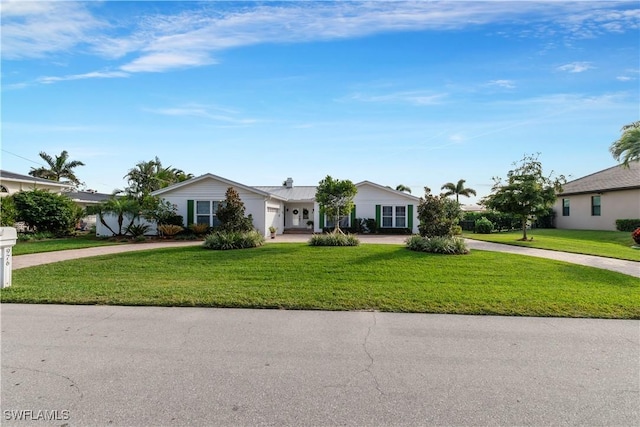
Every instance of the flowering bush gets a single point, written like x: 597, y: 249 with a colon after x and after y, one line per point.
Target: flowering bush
x: 636, y: 236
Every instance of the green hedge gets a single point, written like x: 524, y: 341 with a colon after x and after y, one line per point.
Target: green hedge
x: 627, y: 224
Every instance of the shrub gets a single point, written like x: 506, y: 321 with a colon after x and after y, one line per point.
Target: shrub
x: 225, y: 240
x: 483, y: 226
x: 7, y: 212
x: 231, y: 213
x: 627, y: 224
x: 169, y: 230
x: 41, y: 235
x: 137, y: 230
x: 456, y: 230
x: 46, y: 211
x: 437, y: 215
x: 140, y: 238
x: 334, y: 239
x: 636, y: 236
x: 437, y: 245
x: 199, y: 229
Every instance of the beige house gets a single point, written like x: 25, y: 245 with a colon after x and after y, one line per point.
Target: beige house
x: 596, y: 201
x: 11, y: 183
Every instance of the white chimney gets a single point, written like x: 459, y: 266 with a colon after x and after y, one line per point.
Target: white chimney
x: 289, y: 183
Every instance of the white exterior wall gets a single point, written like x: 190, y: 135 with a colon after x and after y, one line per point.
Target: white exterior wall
x: 624, y: 204
x: 210, y: 189
x: 17, y: 186
x: 274, y: 219
x: 112, y: 221
x: 369, y: 196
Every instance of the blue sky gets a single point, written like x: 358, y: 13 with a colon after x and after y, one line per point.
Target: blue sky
x: 413, y: 93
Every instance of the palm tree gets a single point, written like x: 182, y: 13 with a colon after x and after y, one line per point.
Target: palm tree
x: 121, y: 207
x: 59, y: 168
x: 628, y: 146
x: 457, y: 189
x: 150, y: 176
x: 401, y: 187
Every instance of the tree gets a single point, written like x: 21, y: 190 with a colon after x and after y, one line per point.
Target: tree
x: 437, y: 215
x: 121, y: 207
x: 150, y: 176
x: 7, y: 211
x: 458, y: 189
x: 335, y: 197
x: 527, y: 192
x: 58, y: 169
x: 46, y: 211
x: 401, y: 187
x: 231, y: 213
x: 628, y: 146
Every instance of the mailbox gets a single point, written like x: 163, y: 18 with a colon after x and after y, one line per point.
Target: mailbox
x: 8, y: 237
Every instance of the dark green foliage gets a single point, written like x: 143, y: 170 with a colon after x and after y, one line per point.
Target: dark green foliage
x: 46, y: 211
x: 334, y: 239
x: 627, y: 224
x: 336, y: 198
x: 545, y: 220
x: 7, y: 212
x: 456, y: 230
x: 137, y: 230
x: 231, y: 213
x: 437, y: 215
x: 437, y: 245
x: 226, y: 240
x: 483, y: 226
x: 123, y: 208
x: 526, y: 194
x: 59, y: 168
x: 501, y: 221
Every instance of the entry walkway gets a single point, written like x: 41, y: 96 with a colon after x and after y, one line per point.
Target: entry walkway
x: 631, y: 268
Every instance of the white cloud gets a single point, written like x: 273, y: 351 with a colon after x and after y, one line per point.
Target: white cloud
x: 576, y: 67
x: 420, y: 98
x: 212, y: 113
x: 91, y: 75
x: 507, y: 84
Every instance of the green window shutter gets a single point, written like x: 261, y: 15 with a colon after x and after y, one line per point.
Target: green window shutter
x: 378, y: 216
x: 321, y: 217
x: 410, y: 217
x: 189, y: 212
x: 353, y: 215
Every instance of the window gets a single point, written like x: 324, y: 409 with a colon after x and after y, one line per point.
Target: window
x: 394, y: 216
x: 206, y: 212
x: 565, y: 207
x: 3, y: 189
x: 595, y: 206
x: 344, y: 222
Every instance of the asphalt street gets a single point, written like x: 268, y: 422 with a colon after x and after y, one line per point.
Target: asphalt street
x: 154, y: 366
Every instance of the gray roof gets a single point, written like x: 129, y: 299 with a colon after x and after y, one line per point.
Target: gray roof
x: 614, y: 178
x: 28, y: 178
x: 86, y: 196
x: 302, y: 193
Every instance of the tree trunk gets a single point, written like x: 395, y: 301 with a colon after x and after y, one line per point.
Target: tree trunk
x: 524, y: 229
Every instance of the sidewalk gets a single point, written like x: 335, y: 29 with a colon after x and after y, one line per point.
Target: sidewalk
x: 630, y: 268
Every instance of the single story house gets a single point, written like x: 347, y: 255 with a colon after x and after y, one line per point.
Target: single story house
x: 287, y: 208
x: 11, y: 182
x: 596, y: 201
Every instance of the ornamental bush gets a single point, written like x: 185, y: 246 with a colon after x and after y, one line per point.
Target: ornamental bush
x: 636, y: 236
x: 437, y: 245
x: 483, y: 226
x: 226, y: 240
x: 334, y: 239
x: 627, y: 224
x: 46, y: 212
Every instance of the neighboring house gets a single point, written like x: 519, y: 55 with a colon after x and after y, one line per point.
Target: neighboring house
x: 11, y: 183
x: 286, y: 207
x: 596, y: 201
x: 88, y: 199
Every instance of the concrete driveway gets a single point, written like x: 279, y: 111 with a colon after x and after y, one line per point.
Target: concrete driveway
x: 144, y: 366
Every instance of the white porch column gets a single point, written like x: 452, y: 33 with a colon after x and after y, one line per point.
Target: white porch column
x: 8, y: 237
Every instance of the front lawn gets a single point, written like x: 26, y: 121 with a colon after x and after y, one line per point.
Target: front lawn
x: 368, y: 277
x: 62, y: 244
x: 612, y: 244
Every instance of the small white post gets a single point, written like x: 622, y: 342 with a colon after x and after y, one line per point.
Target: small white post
x: 8, y: 237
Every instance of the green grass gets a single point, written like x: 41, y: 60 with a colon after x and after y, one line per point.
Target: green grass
x: 50, y: 245
x: 368, y: 277
x: 611, y: 244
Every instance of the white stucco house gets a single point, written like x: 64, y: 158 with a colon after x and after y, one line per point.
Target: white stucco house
x: 11, y: 182
x: 288, y: 208
x: 596, y: 201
